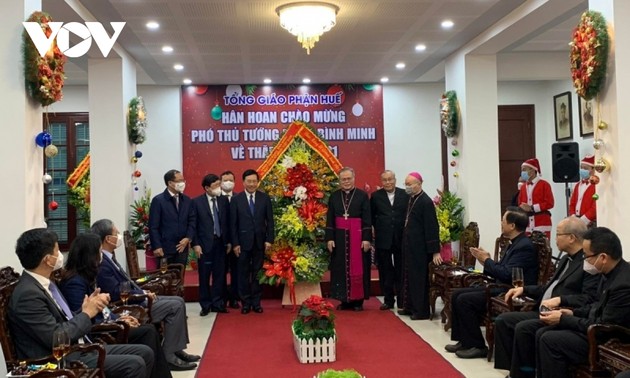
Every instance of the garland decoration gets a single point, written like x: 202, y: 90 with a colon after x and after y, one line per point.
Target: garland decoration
x: 449, y: 114
x: 44, y: 76
x: 137, y: 121
x: 589, y: 54
x: 79, y: 190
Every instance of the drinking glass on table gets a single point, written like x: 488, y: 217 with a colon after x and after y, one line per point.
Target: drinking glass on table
x: 517, y: 279
x: 454, y: 256
x: 61, y: 346
x: 125, y: 288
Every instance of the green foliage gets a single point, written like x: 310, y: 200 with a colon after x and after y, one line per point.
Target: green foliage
x: 347, y: 373
x: 139, y: 221
x: 137, y: 121
x: 450, y: 214
x: 79, y: 197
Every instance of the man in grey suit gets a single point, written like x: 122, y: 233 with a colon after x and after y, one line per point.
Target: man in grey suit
x: 37, y: 309
x: 388, y: 207
x: 251, y: 224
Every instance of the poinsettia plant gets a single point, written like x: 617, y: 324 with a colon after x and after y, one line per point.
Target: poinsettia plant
x: 315, y: 320
x: 139, y: 221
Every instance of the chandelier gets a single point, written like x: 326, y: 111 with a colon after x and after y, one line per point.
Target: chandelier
x: 307, y: 20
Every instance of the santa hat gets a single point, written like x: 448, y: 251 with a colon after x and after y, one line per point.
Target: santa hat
x: 532, y: 163
x: 416, y: 175
x: 589, y: 160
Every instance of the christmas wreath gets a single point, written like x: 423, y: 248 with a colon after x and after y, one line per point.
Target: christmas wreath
x: 449, y: 114
x: 137, y: 121
x: 589, y: 54
x: 44, y: 76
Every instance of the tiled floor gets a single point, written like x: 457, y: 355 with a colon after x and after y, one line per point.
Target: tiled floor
x: 431, y: 331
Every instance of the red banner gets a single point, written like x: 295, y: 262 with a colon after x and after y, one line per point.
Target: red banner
x: 234, y: 127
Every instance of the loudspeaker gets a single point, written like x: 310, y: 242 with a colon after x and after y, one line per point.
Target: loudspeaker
x: 565, y: 161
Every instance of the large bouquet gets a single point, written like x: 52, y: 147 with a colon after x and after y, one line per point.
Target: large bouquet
x: 299, y: 186
x: 139, y: 222
x: 315, y: 319
x: 79, y: 190
x: 450, y: 215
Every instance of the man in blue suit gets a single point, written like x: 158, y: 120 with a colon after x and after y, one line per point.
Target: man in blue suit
x: 252, y: 228
x: 172, y: 220
x: 469, y: 304
x: 211, y: 243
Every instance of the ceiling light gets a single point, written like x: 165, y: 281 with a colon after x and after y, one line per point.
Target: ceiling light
x: 167, y: 49
x: 178, y: 67
x: 152, y: 25
x: 400, y: 65
x: 447, y: 24
x: 187, y: 81
x: 308, y: 20
x: 384, y: 79
x: 267, y: 81
x: 306, y: 80
x: 421, y: 47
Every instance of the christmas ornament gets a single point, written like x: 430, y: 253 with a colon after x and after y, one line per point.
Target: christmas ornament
x: 601, y: 165
x: 369, y: 87
x: 216, y: 113
x: 201, y: 90
x: 137, y: 173
x: 46, y: 179
x: 51, y: 151
x: 357, y: 109
x: 594, y: 180
x: 602, y: 125
x: 53, y: 205
x: 134, y: 160
x: 454, y: 142
x: 455, y: 153
x: 456, y: 174
x: 595, y: 196
x: 43, y: 139
x: 233, y: 90
x: 453, y: 163
x: 598, y: 144
x: 138, y: 154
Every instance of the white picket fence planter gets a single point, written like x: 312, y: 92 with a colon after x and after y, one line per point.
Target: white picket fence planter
x: 310, y: 351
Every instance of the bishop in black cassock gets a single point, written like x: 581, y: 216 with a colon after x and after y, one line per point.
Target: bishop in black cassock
x: 421, y: 245
x: 348, y: 235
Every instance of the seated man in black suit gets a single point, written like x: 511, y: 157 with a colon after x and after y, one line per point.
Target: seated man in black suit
x: 571, y: 286
x: 566, y: 343
x: 37, y: 309
x: 170, y: 309
x: 469, y: 304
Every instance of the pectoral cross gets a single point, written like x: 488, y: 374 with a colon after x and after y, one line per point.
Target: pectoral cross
x: 345, y: 216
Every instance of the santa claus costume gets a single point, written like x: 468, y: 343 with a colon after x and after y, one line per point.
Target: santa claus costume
x: 582, y: 203
x: 538, y: 195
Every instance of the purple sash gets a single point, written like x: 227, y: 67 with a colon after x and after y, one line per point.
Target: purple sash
x: 355, y: 258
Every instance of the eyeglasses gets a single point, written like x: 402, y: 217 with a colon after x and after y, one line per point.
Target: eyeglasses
x: 588, y: 257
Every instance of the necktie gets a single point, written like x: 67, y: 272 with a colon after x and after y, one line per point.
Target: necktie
x: 61, y: 302
x: 176, y: 201
x: 122, y: 271
x: 251, y: 203
x: 215, y: 217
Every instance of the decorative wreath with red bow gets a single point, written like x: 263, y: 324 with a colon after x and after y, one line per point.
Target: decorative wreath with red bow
x: 589, y: 54
x: 449, y: 114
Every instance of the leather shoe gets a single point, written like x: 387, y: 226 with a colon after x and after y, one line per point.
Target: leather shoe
x: 182, y: 355
x: 385, y: 306
x: 418, y: 317
x: 179, y: 365
x: 258, y: 310
x: 234, y: 304
x: 358, y: 308
x: 204, y: 312
x: 245, y: 310
x: 220, y: 309
x: 403, y: 311
x: 452, y: 348
x: 472, y: 353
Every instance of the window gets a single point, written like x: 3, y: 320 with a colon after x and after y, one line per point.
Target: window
x: 71, y: 134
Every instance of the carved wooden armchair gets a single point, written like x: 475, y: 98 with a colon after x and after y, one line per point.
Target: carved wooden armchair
x: 446, y: 277
x: 609, y: 352
x: 8, y: 280
x: 170, y: 282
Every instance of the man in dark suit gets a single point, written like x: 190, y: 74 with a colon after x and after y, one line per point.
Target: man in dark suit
x: 388, y: 207
x: 515, y: 332
x: 470, y: 303
x: 172, y: 220
x: 231, y: 261
x: 566, y: 343
x: 211, y: 243
x: 37, y: 309
x: 169, y: 309
x: 252, y: 228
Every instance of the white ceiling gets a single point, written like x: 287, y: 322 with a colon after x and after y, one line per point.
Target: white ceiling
x: 241, y: 41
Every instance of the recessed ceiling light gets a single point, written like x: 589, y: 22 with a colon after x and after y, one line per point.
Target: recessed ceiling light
x: 400, y: 65
x: 306, y: 80
x: 178, y: 67
x: 384, y: 79
x: 421, y: 47
x: 267, y: 81
x: 152, y: 25
x: 167, y: 49
x: 187, y: 81
x: 447, y: 24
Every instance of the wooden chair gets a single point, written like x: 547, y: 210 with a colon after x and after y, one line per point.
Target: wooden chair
x: 8, y: 280
x: 170, y: 282
x: 609, y: 352
x: 446, y: 277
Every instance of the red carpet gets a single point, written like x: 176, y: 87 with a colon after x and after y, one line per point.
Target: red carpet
x: 373, y: 342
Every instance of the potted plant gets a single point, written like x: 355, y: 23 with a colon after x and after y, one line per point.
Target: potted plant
x: 450, y: 215
x: 314, y: 331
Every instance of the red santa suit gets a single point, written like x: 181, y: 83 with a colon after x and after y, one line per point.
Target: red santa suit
x: 582, y: 203
x: 539, y: 196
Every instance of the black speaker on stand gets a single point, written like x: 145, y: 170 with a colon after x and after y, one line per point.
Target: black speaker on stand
x: 565, y: 163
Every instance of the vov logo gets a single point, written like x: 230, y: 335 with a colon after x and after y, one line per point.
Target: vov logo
x: 87, y: 32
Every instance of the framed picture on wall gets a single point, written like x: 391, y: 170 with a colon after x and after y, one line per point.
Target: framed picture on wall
x: 562, y: 116
x: 585, y: 110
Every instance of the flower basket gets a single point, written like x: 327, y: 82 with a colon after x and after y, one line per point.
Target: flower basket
x: 315, y: 350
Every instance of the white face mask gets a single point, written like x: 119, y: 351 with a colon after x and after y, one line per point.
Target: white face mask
x: 180, y: 186
x: 216, y: 192
x: 227, y: 186
x: 409, y: 189
x: 591, y: 268
x: 59, y: 262
x: 119, y: 240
